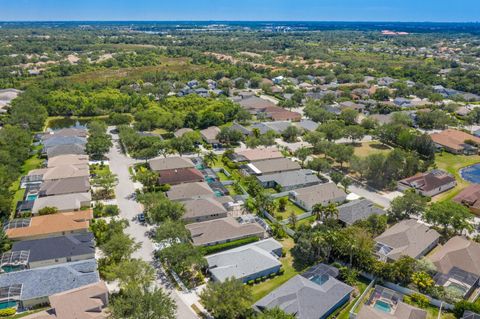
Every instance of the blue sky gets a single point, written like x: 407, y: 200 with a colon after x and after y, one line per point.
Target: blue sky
x: 291, y: 10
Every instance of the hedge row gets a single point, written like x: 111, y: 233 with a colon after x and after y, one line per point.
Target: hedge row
x: 221, y: 247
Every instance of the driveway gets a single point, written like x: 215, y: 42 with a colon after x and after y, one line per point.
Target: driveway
x: 129, y: 208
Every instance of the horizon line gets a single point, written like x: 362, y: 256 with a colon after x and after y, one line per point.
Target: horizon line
x: 260, y: 21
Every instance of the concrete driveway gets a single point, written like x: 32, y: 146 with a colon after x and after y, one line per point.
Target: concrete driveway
x: 129, y: 208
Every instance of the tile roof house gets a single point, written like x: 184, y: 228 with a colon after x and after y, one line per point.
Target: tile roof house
x: 470, y: 197
x: 209, y: 135
x: 36, y: 285
x: 430, y: 183
x: 356, y: 210
x: 280, y: 114
x: 182, y: 131
x: 323, y: 194
x: 64, y: 186
x: 87, y: 302
x: 312, y: 295
x: 180, y: 176
x: 277, y: 165
x: 69, y: 159
x: 218, y: 231
x: 64, y: 140
x: 406, y: 238
x: 62, y: 171
x: 53, y: 250
x: 458, y: 264
x: 168, y: 163
x: 244, y: 263
x: 188, y: 191
x: 257, y: 154
x: 453, y: 141
x: 64, y: 203
x: 66, y: 132
x: 203, y: 209
x: 255, y: 104
x: 68, y: 149
x: 307, y: 125
x: 59, y: 224
x: 290, y: 180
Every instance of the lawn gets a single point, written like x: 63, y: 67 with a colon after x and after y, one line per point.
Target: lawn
x: 289, y: 208
x: 31, y: 163
x: 369, y: 148
x: 98, y: 169
x: 306, y: 221
x: 262, y: 289
x: 452, y: 164
x: 223, y: 177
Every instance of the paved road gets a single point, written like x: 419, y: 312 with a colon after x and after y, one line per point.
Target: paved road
x: 129, y: 208
x: 375, y: 197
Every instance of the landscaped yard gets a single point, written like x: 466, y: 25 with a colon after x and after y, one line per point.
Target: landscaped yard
x: 452, y: 164
x: 360, y: 286
x: 369, y: 148
x: 289, y: 208
x: 262, y: 289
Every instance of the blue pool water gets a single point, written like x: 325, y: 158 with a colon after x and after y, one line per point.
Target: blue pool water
x: 210, y: 179
x: 471, y: 173
x: 383, y: 306
x: 200, y: 167
x: 218, y: 193
x: 319, y: 280
x: 31, y: 197
x: 8, y: 304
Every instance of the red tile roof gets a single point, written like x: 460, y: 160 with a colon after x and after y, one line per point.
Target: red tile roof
x: 179, y: 176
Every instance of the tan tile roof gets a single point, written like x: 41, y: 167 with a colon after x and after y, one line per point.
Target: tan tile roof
x: 222, y: 229
x: 458, y: 252
x: 62, y: 171
x: 87, y: 302
x: 160, y: 164
x: 189, y: 190
x: 469, y: 196
x: 429, y: 180
x: 276, y: 165
x: 70, y: 159
x: 210, y: 133
x: 202, y: 207
x: 181, y: 175
x: 259, y: 154
x: 52, y: 224
x: 453, y: 139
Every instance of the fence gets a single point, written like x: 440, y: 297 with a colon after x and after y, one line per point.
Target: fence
x: 352, y: 314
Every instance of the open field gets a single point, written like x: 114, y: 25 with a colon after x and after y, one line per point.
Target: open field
x: 369, y: 148
x: 175, y: 65
x: 452, y: 164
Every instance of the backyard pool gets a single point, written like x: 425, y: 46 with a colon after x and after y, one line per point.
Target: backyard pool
x: 471, y: 173
x: 383, y: 306
x: 32, y: 197
x: 8, y: 304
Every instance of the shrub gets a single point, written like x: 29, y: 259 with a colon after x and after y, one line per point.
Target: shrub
x: 7, y: 312
x: 258, y: 280
x: 221, y: 247
x: 48, y: 211
x: 264, y: 278
x: 250, y: 282
x: 111, y: 210
x: 281, y: 271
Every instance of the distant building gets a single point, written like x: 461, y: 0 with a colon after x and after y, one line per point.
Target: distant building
x: 454, y: 141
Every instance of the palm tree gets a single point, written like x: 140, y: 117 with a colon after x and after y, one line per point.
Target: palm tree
x: 325, y: 212
x: 256, y: 132
x: 210, y: 158
x: 331, y: 211
x: 319, y: 211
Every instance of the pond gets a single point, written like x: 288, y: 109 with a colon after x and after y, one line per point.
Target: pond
x: 66, y: 122
x: 471, y: 173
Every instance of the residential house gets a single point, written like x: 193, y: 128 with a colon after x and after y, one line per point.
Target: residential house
x: 61, y: 172
x: 182, y: 131
x: 359, y: 209
x: 69, y: 149
x: 182, y: 192
x: 69, y: 159
x: 86, y: 302
x: 209, y: 135
x: 470, y: 315
x: 66, y: 132
x: 49, y: 251
x: 455, y: 142
x: 271, y: 166
x: 247, y: 262
x: 64, y: 203
x: 254, y: 104
x: 257, y: 154
x: 59, y: 224
x: 161, y: 164
x: 470, y: 197
x: 203, y: 209
x: 222, y: 230
x: 323, y: 194
x: 242, y: 129
x: 406, y: 238
x: 458, y: 265
x: 280, y: 114
x: 287, y: 181
x: 32, y: 287
x: 430, y: 183
x: 64, y: 186
x: 180, y: 176
x: 277, y: 126
x: 307, y: 125
x: 315, y: 294
x: 63, y: 140
x: 385, y: 303
x: 402, y: 102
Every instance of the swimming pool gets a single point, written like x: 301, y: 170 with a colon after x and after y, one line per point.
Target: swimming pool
x: 218, y: 193
x: 319, y: 279
x: 383, y: 306
x: 461, y: 290
x: 8, y: 304
x: 32, y: 197
x: 471, y: 173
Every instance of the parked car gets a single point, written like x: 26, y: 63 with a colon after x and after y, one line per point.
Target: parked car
x: 141, y: 218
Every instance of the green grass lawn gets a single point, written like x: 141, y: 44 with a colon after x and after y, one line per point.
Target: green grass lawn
x: 98, y: 169
x: 232, y: 190
x: 262, y: 289
x: 291, y: 207
x: 31, y: 163
x: 452, y: 164
x: 369, y: 148
x: 223, y: 177
x: 306, y: 221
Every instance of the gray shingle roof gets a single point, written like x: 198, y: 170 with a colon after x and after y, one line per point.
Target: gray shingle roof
x: 276, y: 165
x: 64, y: 140
x: 160, y: 164
x: 46, y: 281
x: 65, y: 186
x: 301, y: 177
x: 57, y: 247
x: 306, y: 299
x: 357, y: 210
x: 65, y: 150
